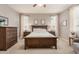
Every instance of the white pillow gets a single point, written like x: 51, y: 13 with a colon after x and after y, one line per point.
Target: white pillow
x: 39, y: 30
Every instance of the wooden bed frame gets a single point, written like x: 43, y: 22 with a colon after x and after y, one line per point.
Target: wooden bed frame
x: 40, y: 42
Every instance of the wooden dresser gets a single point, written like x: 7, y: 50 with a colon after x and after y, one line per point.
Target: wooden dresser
x: 8, y: 37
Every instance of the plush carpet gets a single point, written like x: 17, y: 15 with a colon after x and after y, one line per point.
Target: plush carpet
x: 62, y: 45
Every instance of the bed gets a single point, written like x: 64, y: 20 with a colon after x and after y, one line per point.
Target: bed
x: 40, y: 38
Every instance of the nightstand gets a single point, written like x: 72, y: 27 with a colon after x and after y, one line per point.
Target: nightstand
x: 26, y: 33
x: 52, y: 32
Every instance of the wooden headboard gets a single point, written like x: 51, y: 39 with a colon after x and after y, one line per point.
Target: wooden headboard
x: 39, y: 26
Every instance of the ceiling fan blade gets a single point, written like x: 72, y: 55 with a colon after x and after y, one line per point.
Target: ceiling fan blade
x: 34, y: 5
x: 44, y: 5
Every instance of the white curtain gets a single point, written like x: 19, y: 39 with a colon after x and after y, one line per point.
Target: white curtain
x: 54, y: 23
x: 24, y: 24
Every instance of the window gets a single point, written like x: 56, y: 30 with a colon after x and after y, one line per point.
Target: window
x: 53, y: 22
x: 25, y: 22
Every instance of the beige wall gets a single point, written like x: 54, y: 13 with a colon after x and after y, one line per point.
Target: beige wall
x: 64, y: 29
x: 39, y: 19
x: 74, y: 19
x: 13, y: 17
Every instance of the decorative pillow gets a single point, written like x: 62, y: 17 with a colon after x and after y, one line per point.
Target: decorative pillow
x: 39, y: 30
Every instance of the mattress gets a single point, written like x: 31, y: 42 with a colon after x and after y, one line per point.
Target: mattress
x: 40, y: 34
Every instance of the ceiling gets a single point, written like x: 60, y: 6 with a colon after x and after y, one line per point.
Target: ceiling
x: 28, y: 8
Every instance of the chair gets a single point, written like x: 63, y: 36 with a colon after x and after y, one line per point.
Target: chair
x: 71, y: 38
x: 76, y: 39
x: 76, y: 47
x: 76, y: 43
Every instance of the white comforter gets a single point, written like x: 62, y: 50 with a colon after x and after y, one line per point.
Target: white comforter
x: 40, y: 34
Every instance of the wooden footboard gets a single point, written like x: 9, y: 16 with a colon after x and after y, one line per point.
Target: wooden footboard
x: 43, y: 42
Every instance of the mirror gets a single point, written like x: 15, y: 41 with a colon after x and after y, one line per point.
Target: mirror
x: 3, y: 21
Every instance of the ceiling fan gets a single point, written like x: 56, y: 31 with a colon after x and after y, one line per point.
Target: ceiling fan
x: 40, y: 5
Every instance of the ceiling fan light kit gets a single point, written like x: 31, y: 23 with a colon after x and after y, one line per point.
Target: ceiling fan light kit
x: 39, y: 5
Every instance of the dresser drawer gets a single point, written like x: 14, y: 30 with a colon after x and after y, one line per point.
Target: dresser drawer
x: 11, y: 33
x: 8, y: 37
x: 11, y: 29
x: 8, y: 45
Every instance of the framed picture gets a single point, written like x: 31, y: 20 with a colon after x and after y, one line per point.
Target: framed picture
x: 3, y: 21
